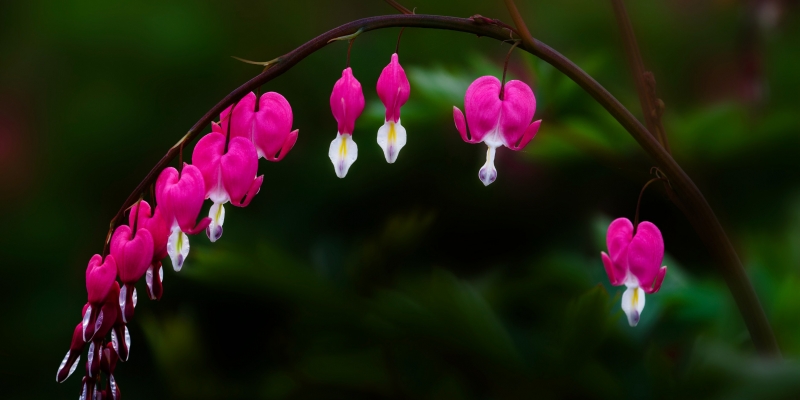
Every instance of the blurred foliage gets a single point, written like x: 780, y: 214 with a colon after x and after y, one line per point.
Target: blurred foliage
x: 409, y: 280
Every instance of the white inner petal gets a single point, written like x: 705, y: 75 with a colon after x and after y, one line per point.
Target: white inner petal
x: 633, y: 304
x: 177, y: 248
x: 391, y: 138
x: 217, y: 215
x: 85, y: 322
x: 123, y: 298
x: 488, y: 173
x: 343, y: 153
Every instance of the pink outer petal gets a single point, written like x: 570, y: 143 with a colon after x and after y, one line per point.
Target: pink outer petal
x: 154, y: 223
x: 255, y: 187
x: 483, y: 106
x: 393, y: 88
x: 461, y: 125
x: 518, y: 107
x: 529, y: 134
x: 181, y: 196
x: 100, y: 277
x: 645, y: 253
x: 206, y: 157
x: 239, y: 167
x: 273, y: 125
x: 287, y: 145
x: 243, y: 117
x: 347, y: 101
x: 618, y: 238
x: 110, y: 310
x: 657, y: 282
x: 200, y: 227
x: 132, y: 256
x: 611, y: 270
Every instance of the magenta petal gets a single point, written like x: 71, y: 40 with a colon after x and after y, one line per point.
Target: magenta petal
x: 393, y: 88
x: 68, y: 365
x: 518, y: 107
x: 483, y: 106
x: 133, y: 256
x: 206, y: 157
x: 662, y: 272
x: 273, y: 125
x: 619, y: 236
x: 154, y: 223
x: 611, y: 270
x: 645, y: 253
x: 200, y: 227
x: 461, y: 124
x: 109, y: 312
x: 239, y: 167
x: 100, y: 277
x: 287, y: 145
x: 347, y: 101
x: 255, y: 187
x: 529, y: 134
x: 243, y: 118
x: 181, y: 195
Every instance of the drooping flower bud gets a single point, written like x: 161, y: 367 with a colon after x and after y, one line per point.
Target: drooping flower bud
x: 229, y: 175
x: 634, y: 260
x: 100, y: 275
x: 497, y: 121
x: 269, y: 127
x: 347, y: 103
x: 154, y: 277
x: 180, y: 196
x: 393, y: 90
x: 70, y: 362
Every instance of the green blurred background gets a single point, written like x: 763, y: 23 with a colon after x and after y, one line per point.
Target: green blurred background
x: 409, y: 280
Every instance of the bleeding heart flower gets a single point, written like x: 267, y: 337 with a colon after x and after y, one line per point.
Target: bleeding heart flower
x: 180, y: 196
x: 70, y: 362
x: 495, y: 120
x: 269, y: 127
x: 229, y: 174
x: 393, y: 90
x: 634, y: 261
x: 100, y: 275
x: 155, y: 223
x: 347, y: 103
x: 133, y: 254
x: 159, y: 229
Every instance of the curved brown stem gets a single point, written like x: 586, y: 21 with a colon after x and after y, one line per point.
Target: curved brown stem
x: 692, y: 203
x: 697, y: 209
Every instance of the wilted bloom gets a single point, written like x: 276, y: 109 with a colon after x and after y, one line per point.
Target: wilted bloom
x: 229, y: 172
x: 269, y: 127
x: 180, y: 196
x: 393, y: 90
x: 134, y: 254
x: 100, y: 275
x: 347, y: 103
x: 495, y: 120
x: 634, y: 261
x: 155, y: 223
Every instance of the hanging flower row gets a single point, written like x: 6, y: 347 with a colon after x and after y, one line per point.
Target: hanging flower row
x: 224, y: 169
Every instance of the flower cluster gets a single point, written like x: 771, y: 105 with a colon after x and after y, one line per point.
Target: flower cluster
x: 347, y: 103
x: 224, y: 169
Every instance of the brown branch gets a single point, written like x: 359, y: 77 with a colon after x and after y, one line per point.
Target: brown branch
x: 697, y: 209
x: 652, y: 106
x: 399, y: 7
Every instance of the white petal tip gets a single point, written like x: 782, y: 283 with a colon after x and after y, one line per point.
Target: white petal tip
x: 633, y: 304
x: 487, y: 175
x: 343, y: 152
x: 391, y: 138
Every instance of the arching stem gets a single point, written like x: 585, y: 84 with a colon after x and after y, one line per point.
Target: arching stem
x: 695, y: 206
x: 639, y: 202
